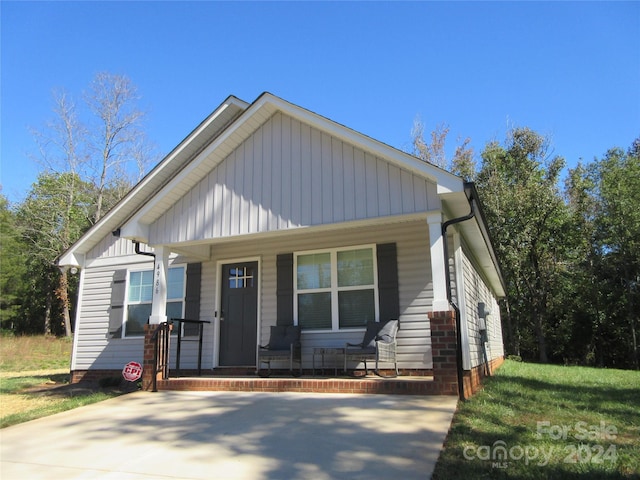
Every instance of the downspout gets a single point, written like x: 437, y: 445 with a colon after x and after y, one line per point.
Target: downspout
x: 468, y: 187
x: 136, y: 245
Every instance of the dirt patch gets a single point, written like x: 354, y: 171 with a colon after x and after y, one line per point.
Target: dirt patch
x: 61, y: 389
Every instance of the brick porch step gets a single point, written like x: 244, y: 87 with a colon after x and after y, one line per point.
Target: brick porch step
x: 370, y: 384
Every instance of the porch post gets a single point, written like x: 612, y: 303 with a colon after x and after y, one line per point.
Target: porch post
x: 438, y: 263
x: 159, y: 302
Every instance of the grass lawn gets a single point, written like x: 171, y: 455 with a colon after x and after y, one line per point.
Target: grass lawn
x: 34, y: 380
x: 543, y: 421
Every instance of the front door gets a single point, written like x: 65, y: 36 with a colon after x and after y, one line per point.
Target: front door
x: 239, y: 314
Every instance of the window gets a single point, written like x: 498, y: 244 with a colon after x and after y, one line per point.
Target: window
x: 241, y: 277
x: 140, y: 295
x: 336, y: 288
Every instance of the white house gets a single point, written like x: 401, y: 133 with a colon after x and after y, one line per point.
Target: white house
x: 252, y: 219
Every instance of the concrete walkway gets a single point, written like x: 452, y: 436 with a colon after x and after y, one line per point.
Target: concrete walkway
x: 233, y: 435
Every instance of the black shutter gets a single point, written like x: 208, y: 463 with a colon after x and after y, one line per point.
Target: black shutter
x: 116, y: 312
x: 388, y: 281
x: 284, y: 289
x: 192, y: 300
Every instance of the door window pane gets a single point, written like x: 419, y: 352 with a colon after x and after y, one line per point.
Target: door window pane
x: 241, y: 277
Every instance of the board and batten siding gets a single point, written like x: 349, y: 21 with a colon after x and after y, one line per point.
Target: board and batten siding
x: 414, y: 279
x: 476, y: 291
x: 112, y: 246
x: 288, y: 174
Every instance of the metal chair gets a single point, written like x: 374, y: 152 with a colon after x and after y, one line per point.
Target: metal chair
x: 284, y: 345
x: 379, y: 343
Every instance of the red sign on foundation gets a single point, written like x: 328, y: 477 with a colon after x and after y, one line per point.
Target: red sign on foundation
x: 132, y: 371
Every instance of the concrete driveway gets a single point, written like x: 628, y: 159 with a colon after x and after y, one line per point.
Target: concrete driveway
x: 233, y: 435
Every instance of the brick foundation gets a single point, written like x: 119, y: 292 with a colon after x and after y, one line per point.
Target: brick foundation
x: 473, y: 378
x: 443, y: 351
x: 78, y: 376
x: 443, y: 347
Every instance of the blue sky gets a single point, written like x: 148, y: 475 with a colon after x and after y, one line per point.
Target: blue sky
x: 568, y: 70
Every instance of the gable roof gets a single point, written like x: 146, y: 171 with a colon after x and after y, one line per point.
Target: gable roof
x: 221, y: 133
x: 247, y: 123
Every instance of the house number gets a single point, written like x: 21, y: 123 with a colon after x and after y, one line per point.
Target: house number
x: 158, y: 279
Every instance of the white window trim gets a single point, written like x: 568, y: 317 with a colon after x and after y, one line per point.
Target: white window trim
x: 126, y: 295
x: 334, y: 289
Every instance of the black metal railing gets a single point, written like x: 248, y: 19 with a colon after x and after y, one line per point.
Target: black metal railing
x: 197, y: 325
x: 161, y: 338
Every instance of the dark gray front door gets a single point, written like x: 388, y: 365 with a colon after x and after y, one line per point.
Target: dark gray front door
x: 239, y: 314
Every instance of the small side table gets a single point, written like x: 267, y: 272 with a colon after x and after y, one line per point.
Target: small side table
x: 332, y: 354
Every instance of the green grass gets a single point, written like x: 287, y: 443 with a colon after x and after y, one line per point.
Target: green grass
x: 34, y: 352
x: 34, y: 380
x: 552, y: 422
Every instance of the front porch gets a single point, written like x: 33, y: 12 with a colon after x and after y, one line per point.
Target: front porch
x: 441, y: 380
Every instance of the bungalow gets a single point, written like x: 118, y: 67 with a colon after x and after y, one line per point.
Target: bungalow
x: 269, y: 214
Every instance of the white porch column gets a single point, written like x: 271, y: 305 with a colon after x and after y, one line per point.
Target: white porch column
x: 159, y: 303
x: 438, y: 264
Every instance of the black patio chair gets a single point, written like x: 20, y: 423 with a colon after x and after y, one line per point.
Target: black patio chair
x: 284, y: 345
x: 379, y: 343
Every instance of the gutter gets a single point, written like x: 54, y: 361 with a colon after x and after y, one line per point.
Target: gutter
x: 469, y: 189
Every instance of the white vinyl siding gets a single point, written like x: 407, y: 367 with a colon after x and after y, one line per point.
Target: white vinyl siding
x: 96, y: 351
x: 414, y: 280
x: 475, y: 292
x: 287, y: 175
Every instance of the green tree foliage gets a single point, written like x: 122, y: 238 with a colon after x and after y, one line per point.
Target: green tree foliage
x: 611, y: 188
x: 527, y: 219
x: 53, y: 216
x: 12, y: 266
x: 90, y: 162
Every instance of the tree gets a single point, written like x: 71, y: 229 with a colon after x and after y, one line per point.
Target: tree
x: 462, y: 162
x: 89, y: 166
x: 527, y: 219
x: 119, y: 152
x: 52, y: 217
x: 12, y: 265
x: 616, y: 180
